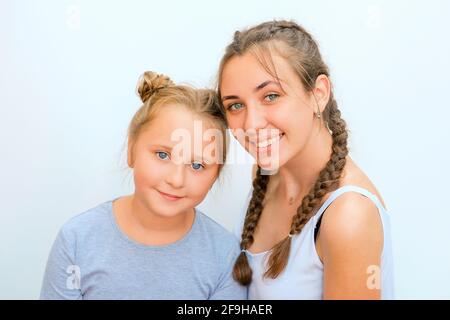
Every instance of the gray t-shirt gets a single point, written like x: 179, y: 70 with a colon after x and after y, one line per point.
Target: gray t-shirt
x: 92, y: 258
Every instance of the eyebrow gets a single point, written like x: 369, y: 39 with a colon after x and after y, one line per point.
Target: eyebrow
x: 168, y: 148
x: 162, y: 146
x: 264, y: 84
x: 258, y: 87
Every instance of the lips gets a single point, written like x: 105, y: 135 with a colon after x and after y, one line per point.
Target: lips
x: 263, y: 144
x: 169, y: 196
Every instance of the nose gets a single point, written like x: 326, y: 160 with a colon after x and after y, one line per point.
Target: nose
x: 175, y: 176
x: 255, y: 118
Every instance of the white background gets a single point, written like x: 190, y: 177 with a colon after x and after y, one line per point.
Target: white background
x: 68, y: 71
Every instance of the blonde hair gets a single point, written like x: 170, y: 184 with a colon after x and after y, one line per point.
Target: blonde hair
x: 157, y: 91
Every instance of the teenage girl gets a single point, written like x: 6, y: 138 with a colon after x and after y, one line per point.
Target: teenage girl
x: 314, y: 226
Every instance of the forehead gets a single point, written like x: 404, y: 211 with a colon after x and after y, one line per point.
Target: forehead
x: 172, y: 117
x: 245, y: 72
x: 173, y: 121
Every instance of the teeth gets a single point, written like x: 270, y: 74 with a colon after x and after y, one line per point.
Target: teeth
x: 266, y: 143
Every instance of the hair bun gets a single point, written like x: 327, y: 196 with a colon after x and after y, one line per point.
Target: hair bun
x: 150, y: 82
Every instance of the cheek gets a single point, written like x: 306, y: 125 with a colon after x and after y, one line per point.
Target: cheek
x: 147, y: 172
x: 200, y: 184
x: 299, y: 126
x: 236, y: 121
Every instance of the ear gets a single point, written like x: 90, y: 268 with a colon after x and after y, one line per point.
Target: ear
x: 322, y: 91
x: 130, y: 153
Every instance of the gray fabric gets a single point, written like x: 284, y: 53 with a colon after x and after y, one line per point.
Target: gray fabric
x: 92, y: 258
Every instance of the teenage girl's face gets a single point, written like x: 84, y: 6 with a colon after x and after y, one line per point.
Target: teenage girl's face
x: 168, y: 179
x: 278, y: 120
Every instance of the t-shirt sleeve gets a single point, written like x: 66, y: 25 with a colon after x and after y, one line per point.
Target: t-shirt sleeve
x: 228, y: 288
x: 62, y: 278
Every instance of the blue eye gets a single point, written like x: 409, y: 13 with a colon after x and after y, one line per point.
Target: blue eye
x: 197, y: 166
x: 235, y: 106
x: 271, y: 97
x: 162, y: 155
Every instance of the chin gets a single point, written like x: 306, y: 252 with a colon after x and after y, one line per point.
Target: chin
x: 269, y: 168
x: 274, y: 164
x: 160, y: 208
x: 167, y: 212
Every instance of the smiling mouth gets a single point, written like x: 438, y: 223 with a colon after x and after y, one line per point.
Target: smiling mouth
x: 169, y: 196
x: 262, y: 145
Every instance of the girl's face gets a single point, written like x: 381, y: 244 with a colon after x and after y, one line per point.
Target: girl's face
x: 277, y: 121
x: 172, y: 173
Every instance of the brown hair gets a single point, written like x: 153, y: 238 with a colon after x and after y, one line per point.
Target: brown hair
x: 296, y: 45
x: 157, y: 90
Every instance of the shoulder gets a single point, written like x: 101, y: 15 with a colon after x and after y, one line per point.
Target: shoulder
x: 222, y: 240
x: 352, y: 223
x: 350, y: 244
x: 215, y: 230
x: 353, y: 210
x: 87, y: 222
x: 79, y: 231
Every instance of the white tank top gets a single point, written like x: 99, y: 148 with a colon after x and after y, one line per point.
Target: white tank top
x: 303, y: 276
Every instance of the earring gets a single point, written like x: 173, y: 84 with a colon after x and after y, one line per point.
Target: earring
x: 328, y: 127
x: 318, y: 114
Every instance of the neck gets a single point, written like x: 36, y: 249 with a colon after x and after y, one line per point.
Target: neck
x: 149, y: 221
x: 298, y: 175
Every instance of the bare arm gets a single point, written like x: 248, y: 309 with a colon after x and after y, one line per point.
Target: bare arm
x: 350, y: 243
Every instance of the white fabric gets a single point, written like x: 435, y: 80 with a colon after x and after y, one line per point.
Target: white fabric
x: 303, y: 276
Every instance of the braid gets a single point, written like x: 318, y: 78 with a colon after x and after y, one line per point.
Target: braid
x: 297, y: 46
x: 242, y: 271
x: 328, y: 181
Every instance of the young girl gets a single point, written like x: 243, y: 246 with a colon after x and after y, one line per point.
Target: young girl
x: 154, y: 243
x: 315, y: 227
